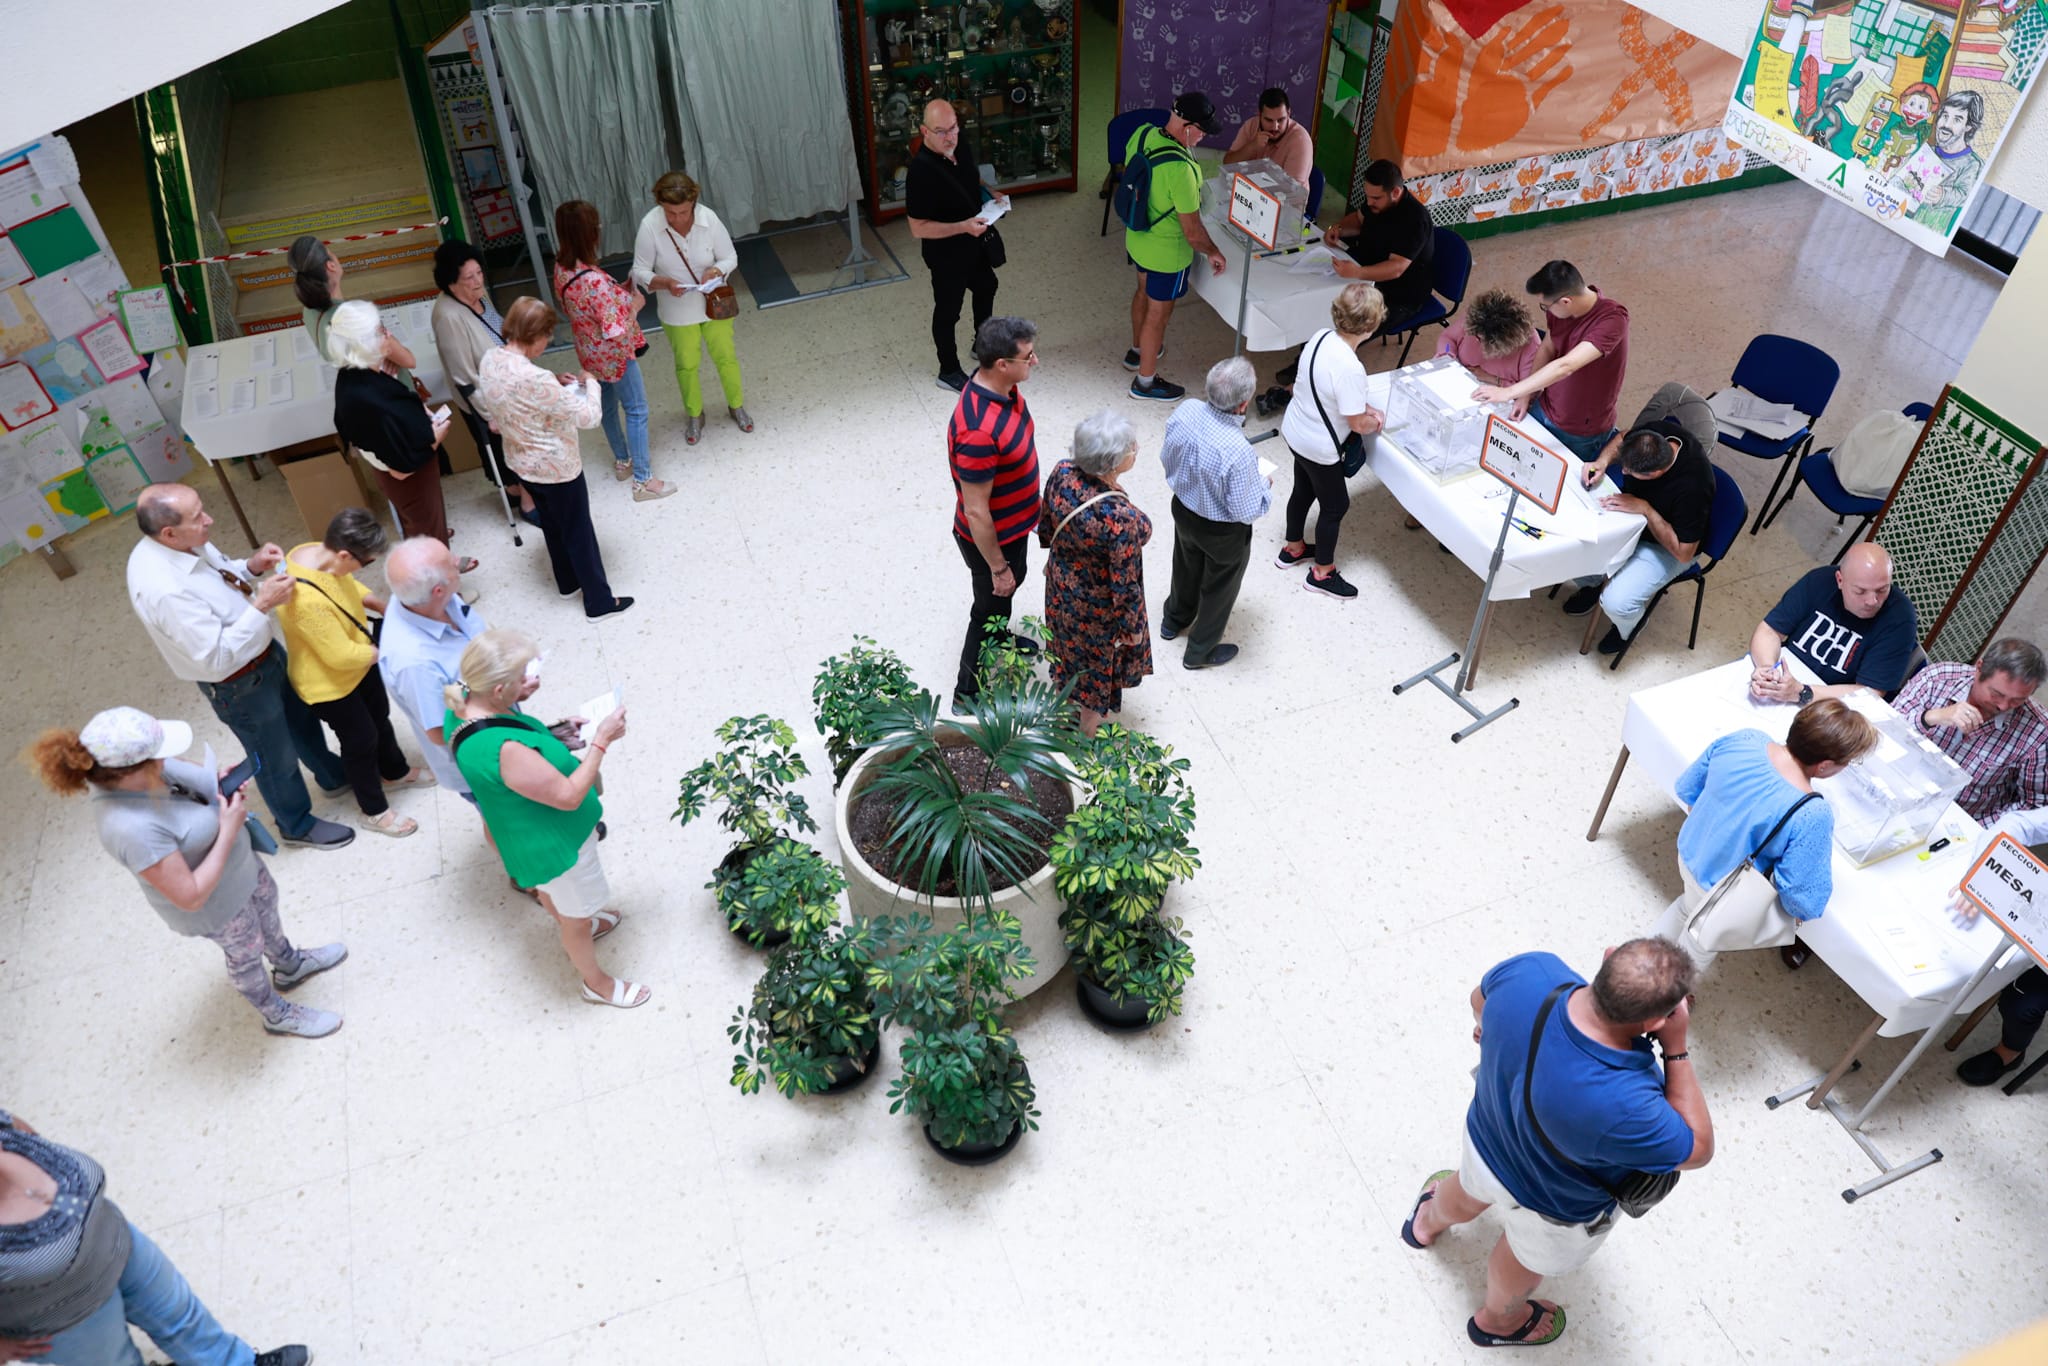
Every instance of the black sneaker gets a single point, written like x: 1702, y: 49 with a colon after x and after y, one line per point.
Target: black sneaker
x: 962, y: 705
x: 1333, y: 584
x: 293, y: 1355
x: 1287, y: 559
x: 1611, y: 643
x: 1582, y: 602
x: 1985, y: 1068
x: 1222, y: 654
x: 1024, y: 645
x: 1273, y: 400
x: 618, y: 605
x: 320, y: 835
x: 1131, y: 357
x: 1161, y: 388
x: 1168, y: 631
x: 956, y: 380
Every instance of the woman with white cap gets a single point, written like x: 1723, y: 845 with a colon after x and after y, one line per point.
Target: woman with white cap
x: 190, y: 847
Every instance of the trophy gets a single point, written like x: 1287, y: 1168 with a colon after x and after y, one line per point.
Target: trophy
x: 1048, y: 134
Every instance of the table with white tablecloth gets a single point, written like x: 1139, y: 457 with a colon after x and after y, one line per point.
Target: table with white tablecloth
x: 1283, y: 308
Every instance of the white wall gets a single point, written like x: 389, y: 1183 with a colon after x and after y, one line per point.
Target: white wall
x: 67, y: 59
x: 2021, y: 167
x: 2003, y: 368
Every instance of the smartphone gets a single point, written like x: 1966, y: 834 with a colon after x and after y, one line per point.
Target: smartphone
x: 241, y: 773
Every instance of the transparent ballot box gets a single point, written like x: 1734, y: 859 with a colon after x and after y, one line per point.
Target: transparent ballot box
x: 1893, y: 797
x: 1432, y: 414
x: 1267, y: 175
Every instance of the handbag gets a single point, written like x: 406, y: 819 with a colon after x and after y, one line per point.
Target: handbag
x: 991, y: 242
x: 1742, y: 910
x: 720, y: 302
x: 1638, y: 1192
x: 1047, y: 542
x: 1351, y: 450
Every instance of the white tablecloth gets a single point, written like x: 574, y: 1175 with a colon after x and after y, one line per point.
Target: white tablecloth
x: 1667, y: 727
x: 1283, y: 310
x: 309, y: 412
x: 1465, y: 516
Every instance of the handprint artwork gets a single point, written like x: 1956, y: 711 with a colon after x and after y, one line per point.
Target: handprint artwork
x: 1228, y: 49
x: 1468, y: 95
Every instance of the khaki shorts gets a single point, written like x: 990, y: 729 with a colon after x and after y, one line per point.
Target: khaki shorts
x: 582, y: 891
x: 1547, y: 1248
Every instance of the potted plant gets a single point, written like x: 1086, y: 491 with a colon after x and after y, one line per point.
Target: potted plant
x: 750, y: 778
x: 810, y: 1025
x: 963, y: 1078
x: 957, y: 815
x: 776, y: 889
x: 847, y: 690
x: 1112, y: 863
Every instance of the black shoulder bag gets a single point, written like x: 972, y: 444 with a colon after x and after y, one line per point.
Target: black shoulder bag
x: 1638, y: 1192
x: 990, y: 241
x: 1350, y: 450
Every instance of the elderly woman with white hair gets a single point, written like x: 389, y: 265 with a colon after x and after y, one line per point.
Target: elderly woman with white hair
x: 1095, y: 573
x: 381, y: 416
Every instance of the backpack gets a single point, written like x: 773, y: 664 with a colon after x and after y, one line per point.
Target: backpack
x: 1133, y: 199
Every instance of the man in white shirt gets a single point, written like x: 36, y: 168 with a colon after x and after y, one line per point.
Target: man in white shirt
x: 209, y: 618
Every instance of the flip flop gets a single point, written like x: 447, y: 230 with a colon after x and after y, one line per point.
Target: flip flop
x: 1520, y: 1337
x: 1428, y: 1194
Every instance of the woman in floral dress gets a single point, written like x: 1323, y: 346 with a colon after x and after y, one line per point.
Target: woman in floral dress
x: 1095, y: 574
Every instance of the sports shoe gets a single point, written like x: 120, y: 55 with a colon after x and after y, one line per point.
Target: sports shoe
x: 651, y: 490
x: 618, y: 605
x: 312, y: 962
x: 1611, y: 643
x: 956, y: 380
x: 293, y: 1355
x: 1131, y: 357
x: 1168, y: 631
x: 1984, y: 1068
x: 1161, y: 388
x: 1332, y: 584
x: 304, y: 1022
x: 1583, y: 601
x: 1273, y: 400
x: 1222, y: 654
x: 1287, y: 559
x: 320, y: 835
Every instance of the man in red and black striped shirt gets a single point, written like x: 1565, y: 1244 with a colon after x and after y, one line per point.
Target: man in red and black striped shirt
x: 994, y: 458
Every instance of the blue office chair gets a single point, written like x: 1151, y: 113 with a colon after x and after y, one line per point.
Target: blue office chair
x: 1120, y: 130
x: 1724, y: 524
x: 1817, y: 472
x: 1451, y: 271
x: 1783, y: 370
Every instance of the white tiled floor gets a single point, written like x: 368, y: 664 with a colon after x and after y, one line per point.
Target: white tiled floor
x: 480, y: 1168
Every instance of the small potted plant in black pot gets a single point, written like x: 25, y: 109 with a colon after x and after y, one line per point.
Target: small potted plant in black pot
x: 847, y: 690
x: 810, y: 1026
x: 1112, y: 862
x: 750, y: 778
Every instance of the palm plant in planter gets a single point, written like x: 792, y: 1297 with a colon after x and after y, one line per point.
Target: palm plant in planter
x: 750, y: 778
x: 847, y: 690
x: 1112, y: 862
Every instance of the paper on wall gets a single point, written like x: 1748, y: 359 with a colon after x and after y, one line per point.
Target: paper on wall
x: 53, y: 161
x: 26, y: 518
x: 162, y: 455
x: 13, y: 270
x: 64, y: 311
x: 15, y: 475
x: 108, y: 346
x: 51, y: 452
x: 166, y: 383
x: 98, y: 277
x: 118, y: 478
x: 24, y: 196
x: 22, y: 397
x: 129, y: 404
x: 147, y: 316
x: 21, y: 330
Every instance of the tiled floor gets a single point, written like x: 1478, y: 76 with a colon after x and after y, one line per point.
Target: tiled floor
x: 480, y: 1168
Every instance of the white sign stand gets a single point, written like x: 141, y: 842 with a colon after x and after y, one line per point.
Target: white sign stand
x: 1531, y: 470
x: 2003, y: 884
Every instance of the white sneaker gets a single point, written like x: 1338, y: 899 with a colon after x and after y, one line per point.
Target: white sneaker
x: 312, y: 962
x: 305, y: 1022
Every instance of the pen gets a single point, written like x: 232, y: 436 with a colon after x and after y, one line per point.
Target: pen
x: 1527, y: 530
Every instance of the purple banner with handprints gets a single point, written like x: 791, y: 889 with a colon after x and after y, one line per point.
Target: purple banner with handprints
x: 1230, y: 50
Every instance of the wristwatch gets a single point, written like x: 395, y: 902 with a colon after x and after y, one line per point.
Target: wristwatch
x: 1805, y: 693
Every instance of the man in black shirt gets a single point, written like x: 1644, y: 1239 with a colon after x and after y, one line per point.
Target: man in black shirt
x: 942, y: 198
x: 1392, y: 242
x: 1668, y: 482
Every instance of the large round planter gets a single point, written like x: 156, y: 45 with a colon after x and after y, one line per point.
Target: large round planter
x: 1125, y: 1015
x: 976, y: 1154
x: 868, y: 894
x: 845, y: 1076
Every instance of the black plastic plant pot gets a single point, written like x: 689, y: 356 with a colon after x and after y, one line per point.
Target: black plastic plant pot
x: 735, y: 859
x: 845, y: 1076
x: 1120, y: 1014
x: 975, y: 1154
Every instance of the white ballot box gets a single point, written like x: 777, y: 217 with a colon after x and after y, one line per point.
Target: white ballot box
x: 1893, y: 797
x: 1440, y: 425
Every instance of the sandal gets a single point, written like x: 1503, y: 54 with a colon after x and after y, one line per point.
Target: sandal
x: 529, y: 893
x: 389, y: 822
x: 602, y: 923
x: 625, y: 995
x: 1520, y: 1337
x: 417, y: 777
x: 622, y: 470
x: 741, y: 420
x: 466, y: 565
x: 1428, y: 1194
x: 693, y: 428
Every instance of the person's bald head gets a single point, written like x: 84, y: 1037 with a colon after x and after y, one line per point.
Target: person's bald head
x: 422, y: 573
x: 1865, y: 579
x: 942, y: 127
x: 173, y: 515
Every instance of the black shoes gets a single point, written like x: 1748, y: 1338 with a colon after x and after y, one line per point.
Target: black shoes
x: 1167, y: 632
x: 1331, y: 585
x: 1272, y: 401
x: 1287, y: 559
x: 1583, y: 601
x: 1985, y: 1068
x: 956, y: 380
x: 1161, y: 389
x: 1131, y: 357
x: 618, y: 605
x: 1221, y: 655
x: 293, y: 1355
x: 1795, y: 954
x: 1613, y: 641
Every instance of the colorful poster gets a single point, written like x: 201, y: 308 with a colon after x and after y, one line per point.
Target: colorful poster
x: 65, y: 370
x: 1229, y: 50
x: 108, y: 346
x: 73, y: 499
x: 13, y: 270
x: 469, y: 119
x: 26, y: 518
x: 118, y: 478
x: 1893, y: 107
x: 22, y: 397
x: 21, y: 328
x: 1476, y: 82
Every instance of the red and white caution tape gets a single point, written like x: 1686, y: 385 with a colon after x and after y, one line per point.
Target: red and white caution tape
x: 285, y: 251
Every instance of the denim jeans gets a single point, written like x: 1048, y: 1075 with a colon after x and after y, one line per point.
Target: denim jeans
x: 628, y: 391
x: 153, y: 1297
x: 270, y: 720
x: 1584, y: 447
x: 1630, y: 588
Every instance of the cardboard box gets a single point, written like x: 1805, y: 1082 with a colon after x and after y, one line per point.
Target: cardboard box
x: 459, y: 445
x: 322, y: 485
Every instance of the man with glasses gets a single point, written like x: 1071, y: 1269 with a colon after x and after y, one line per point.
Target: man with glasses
x: 1579, y: 367
x: 943, y: 198
x: 993, y: 452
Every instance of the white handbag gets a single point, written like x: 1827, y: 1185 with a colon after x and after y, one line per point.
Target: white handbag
x: 1742, y: 910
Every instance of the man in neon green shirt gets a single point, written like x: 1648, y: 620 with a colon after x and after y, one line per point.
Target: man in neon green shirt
x: 1164, y: 252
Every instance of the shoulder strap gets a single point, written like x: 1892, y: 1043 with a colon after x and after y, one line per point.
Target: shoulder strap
x: 469, y: 728
x: 1529, y: 1105
x: 478, y: 314
x: 681, y: 255
x: 1108, y: 493
x: 349, y: 616
x: 1336, y: 442
x: 1782, y: 822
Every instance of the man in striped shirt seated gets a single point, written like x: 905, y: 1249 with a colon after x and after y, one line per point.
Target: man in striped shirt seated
x: 1218, y: 492
x: 994, y: 458
x: 1984, y: 717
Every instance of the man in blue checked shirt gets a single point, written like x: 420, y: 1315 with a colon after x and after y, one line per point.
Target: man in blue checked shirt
x: 1218, y: 492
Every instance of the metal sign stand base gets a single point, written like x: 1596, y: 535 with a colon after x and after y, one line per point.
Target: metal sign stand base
x: 1480, y: 719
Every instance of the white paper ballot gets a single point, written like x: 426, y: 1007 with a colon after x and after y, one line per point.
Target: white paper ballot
x: 242, y: 396
x: 262, y: 353
x: 204, y: 368
x: 1267, y: 469
x: 302, y: 345
x: 206, y: 400
x: 277, y: 387
x: 1316, y: 260
x: 992, y: 210
x: 442, y: 415
x: 596, y: 709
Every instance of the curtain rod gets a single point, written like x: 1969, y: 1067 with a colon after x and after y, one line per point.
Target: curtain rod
x: 496, y: 10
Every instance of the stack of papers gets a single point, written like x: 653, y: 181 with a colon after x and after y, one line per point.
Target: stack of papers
x: 1737, y: 410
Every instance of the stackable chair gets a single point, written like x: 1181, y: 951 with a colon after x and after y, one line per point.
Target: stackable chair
x: 1783, y: 370
x: 1817, y: 472
x: 1120, y: 129
x: 1724, y: 524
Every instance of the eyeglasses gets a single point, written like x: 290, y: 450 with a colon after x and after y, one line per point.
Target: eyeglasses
x: 947, y: 131
x: 1029, y: 358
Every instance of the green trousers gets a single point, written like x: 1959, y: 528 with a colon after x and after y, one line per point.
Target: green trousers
x: 689, y: 353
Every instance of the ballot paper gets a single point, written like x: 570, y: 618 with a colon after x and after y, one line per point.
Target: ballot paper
x: 1267, y: 469
x: 1316, y: 260
x: 991, y: 211
x: 263, y: 353
x: 302, y: 346
x: 596, y: 709
x: 204, y: 369
x: 205, y: 400
x: 242, y: 396
x: 1738, y: 410
x: 277, y: 387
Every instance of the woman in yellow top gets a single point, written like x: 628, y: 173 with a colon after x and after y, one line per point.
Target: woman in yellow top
x: 332, y: 661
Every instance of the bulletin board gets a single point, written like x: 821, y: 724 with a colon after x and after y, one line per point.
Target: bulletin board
x: 469, y: 128
x: 82, y: 427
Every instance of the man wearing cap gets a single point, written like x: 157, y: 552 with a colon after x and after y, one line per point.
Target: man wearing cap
x: 1164, y: 250
x: 209, y: 617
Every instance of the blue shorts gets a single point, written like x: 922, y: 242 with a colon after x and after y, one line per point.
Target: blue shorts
x: 1164, y: 285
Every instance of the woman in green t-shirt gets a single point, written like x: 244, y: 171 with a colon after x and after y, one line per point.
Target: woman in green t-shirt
x: 538, y: 800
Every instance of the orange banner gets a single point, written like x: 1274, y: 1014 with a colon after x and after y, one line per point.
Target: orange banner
x: 1540, y: 76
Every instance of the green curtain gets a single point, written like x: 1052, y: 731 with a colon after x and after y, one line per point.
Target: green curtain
x: 587, y: 85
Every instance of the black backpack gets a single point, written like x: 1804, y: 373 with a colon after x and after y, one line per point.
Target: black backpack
x: 1133, y: 199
